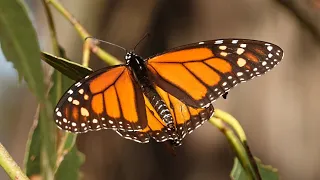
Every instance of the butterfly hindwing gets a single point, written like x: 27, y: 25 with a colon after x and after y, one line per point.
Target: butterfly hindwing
x: 106, y: 99
x: 186, y: 119
x: 198, y: 74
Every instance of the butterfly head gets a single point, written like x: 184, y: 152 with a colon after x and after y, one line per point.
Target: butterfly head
x: 129, y: 55
x: 132, y: 58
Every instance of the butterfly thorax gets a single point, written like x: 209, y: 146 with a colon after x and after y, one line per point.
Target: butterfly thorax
x: 139, y: 69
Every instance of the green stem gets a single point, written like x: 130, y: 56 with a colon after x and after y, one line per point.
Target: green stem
x: 235, y: 144
x: 86, y: 54
x: 109, y: 59
x: 232, y: 122
x: 10, y: 166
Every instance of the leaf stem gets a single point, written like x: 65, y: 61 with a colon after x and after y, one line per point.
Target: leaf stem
x: 109, y: 59
x: 231, y: 121
x: 235, y: 144
x: 227, y: 118
x: 86, y: 54
x: 10, y: 166
x: 236, y: 136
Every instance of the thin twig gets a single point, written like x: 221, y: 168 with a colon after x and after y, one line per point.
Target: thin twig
x: 10, y: 166
x: 86, y: 53
x: 109, y: 59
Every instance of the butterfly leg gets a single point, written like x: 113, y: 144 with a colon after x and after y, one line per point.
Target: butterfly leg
x: 225, y: 95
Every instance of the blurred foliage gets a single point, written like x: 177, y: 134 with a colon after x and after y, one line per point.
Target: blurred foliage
x: 20, y: 45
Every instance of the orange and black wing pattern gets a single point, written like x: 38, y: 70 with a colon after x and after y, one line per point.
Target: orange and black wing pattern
x: 198, y: 74
x: 186, y: 119
x: 106, y: 99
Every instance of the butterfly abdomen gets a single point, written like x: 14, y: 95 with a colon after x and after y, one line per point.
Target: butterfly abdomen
x: 158, y: 104
x: 137, y: 65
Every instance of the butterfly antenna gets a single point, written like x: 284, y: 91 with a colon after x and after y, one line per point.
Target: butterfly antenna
x: 99, y: 40
x: 144, y: 37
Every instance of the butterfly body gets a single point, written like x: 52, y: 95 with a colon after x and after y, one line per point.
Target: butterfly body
x: 166, y: 96
x: 140, y: 74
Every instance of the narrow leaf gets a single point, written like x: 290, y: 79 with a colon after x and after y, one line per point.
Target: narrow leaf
x: 32, y: 156
x: 69, y: 168
x: 70, y: 69
x: 267, y: 172
x: 40, y: 154
x: 19, y: 44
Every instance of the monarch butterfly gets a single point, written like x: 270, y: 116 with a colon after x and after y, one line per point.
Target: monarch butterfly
x: 166, y: 96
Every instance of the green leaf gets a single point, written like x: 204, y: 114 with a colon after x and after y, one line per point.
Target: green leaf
x: 70, y: 69
x: 48, y: 141
x: 267, y: 172
x: 69, y: 168
x: 20, y: 46
x: 40, y: 154
x: 32, y: 156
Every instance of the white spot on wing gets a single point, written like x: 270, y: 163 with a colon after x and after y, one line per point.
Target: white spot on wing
x: 75, y: 102
x: 240, y: 51
x: 239, y: 73
x: 241, y: 62
x: 243, y: 45
x: 218, y: 42
x: 78, y: 84
x: 234, y: 41
x: 223, y: 54
x: 222, y: 47
x: 81, y: 91
x: 84, y: 111
x: 59, y: 114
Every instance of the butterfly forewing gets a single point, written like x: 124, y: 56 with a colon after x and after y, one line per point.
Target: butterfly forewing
x: 198, y: 74
x: 106, y: 99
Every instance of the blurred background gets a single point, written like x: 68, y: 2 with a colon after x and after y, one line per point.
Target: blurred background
x: 278, y: 111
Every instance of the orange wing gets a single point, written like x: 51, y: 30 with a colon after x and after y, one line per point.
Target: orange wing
x: 106, y: 99
x: 198, y: 74
x: 186, y: 119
